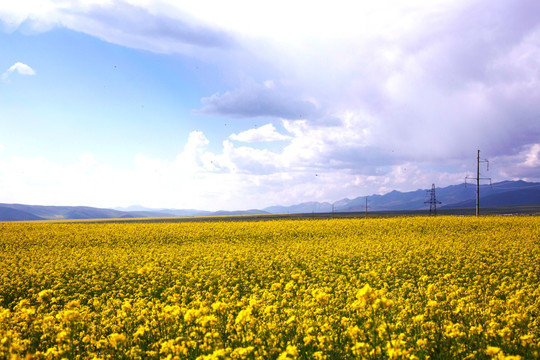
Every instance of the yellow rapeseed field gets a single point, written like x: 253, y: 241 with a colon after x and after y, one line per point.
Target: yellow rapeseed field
x: 411, y: 288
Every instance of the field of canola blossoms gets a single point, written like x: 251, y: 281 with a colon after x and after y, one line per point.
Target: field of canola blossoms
x: 416, y: 288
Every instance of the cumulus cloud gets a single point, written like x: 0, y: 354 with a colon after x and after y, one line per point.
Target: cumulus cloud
x: 429, y: 83
x: 264, y: 133
x: 411, y: 90
x: 235, y: 177
x: 19, y: 68
x: 532, y: 157
x: 525, y: 164
x: 416, y: 71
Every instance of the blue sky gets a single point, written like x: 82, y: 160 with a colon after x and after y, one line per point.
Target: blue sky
x: 93, y: 96
x: 201, y: 105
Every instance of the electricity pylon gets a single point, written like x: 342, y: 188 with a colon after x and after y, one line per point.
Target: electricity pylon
x: 432, y: 201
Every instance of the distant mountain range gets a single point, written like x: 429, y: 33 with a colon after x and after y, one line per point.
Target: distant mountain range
x: 505, y: 193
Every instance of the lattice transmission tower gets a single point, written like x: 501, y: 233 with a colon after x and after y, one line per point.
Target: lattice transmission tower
x: 432, y: 201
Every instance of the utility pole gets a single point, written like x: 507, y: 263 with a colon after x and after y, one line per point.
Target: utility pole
x: 478, y: 178
x: 478, y: 183
x: 432, y: 201
x: 366, y: 206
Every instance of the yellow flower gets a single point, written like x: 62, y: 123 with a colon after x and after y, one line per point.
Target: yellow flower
x: 61, y: 336
x: 492, y: 350
x: 244, y: 316
x: 296, y: 276
x: 290, y: 353
x: 320, y: 296
x: 421, y: 342
x: 117, y: 339
x: 45, y: 296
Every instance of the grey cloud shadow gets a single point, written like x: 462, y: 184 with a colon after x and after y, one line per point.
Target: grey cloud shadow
x: 254, y: 100
x: 135, y: 22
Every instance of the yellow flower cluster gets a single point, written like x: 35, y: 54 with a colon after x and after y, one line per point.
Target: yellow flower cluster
x: 394, y: 288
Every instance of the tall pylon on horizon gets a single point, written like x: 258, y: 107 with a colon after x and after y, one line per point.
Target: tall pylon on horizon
x: 432, y: 201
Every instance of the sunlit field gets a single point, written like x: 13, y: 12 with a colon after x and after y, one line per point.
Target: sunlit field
x: 405, y: 287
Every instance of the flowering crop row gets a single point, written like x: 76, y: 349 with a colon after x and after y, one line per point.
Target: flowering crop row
x: 416, y: 288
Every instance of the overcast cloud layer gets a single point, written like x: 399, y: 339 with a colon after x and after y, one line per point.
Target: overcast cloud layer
x: 354, y: 99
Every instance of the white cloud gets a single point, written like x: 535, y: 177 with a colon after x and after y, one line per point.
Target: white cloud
x: 532, y: 157
x: 297, y: 21
x: 409, y: 89
x: 20, y: 68
x: 235, y: 178
x: 427, y: 77
x: 264, y: 133
x: 523, y: 164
